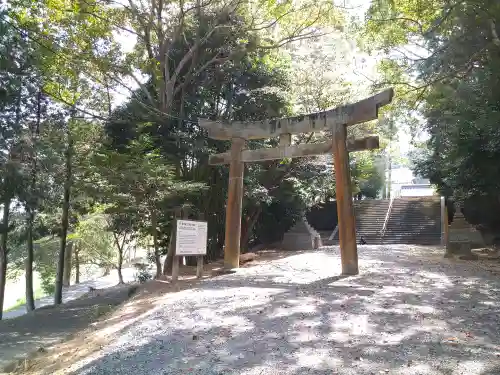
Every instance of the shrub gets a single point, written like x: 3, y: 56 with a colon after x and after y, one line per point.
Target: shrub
x: 142, y: 276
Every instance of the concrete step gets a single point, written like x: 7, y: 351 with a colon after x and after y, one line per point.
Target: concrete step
x: 413, y: 220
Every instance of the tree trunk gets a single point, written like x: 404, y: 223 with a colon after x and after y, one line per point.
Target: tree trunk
x: 119, y: 267
x: 77, y: 263
x: 3, y: 252
x: 120, y: 248
x: 30, y: 299
x: 169, y: 259
x: 30, y: 207
x: 154, y: 226
x: 64, y: 220
x: 67, y: 264
x: 248, y: 226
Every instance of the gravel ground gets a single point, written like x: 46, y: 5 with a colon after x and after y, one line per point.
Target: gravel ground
x: 401, y: 315
x: 44, y: 327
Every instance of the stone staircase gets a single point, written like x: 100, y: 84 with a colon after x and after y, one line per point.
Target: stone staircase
x: 414, y: 220
x: 370, y: 215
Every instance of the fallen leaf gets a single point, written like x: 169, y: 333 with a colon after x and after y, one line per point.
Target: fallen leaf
x: 452, y: 341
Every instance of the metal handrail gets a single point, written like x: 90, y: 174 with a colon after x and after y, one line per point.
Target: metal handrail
x: 334, y: 233
x: 387, y: 215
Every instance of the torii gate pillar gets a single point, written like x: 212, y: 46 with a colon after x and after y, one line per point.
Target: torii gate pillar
x: 345, y: 210
x: 234, y: 206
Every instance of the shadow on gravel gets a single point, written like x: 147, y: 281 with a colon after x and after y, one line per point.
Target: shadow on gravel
x: 45, y: 326
x: 400, y: 316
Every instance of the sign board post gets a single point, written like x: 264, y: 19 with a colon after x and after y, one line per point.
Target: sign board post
x: 190, y: 239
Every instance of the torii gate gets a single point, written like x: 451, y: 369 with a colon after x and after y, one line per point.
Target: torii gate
x: 335, y: 120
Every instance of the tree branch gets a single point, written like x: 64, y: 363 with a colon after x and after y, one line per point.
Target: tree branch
x: 213, y: 60
x: 191, y: 51
x: 440, y: 21
x: 394, y: 19
x: 494, y: 33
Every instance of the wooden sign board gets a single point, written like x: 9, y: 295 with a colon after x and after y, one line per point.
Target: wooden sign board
x: 191, y: 238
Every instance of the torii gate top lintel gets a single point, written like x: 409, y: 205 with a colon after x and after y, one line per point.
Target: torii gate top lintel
x: 349, y: 114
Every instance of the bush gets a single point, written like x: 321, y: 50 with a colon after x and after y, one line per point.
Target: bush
x: 275, y: 219
x: 482, y: 211
x: 46, y: 252
x: 151, y: 257
x: 47, y: 280
x: 142, y: 276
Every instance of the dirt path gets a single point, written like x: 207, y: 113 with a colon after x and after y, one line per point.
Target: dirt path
x: 408, y: 312
x: 48, y: 325
x: 84, y: 324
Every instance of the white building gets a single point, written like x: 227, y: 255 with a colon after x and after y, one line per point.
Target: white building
x: 405, y: 184
x: 416, y: 190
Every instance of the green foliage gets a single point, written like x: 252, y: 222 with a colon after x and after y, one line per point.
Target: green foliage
x: 38, y: 293
x: 74, y: 63
x: 482, y: 211
x: 255, y: 87
x: 143, y: 275
x: 276, y: 218
x: 62, y: 64
x: 94, y: 242
x: 328, y: 86
x: 445, y: 60
x: 46, y: 250
x: 368, y: 174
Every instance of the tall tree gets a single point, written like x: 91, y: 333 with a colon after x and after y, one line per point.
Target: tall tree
x: 444, y: 58
x: 139, y: 179
x: 15, y: 105
x: 72, y: 71
x: 31, y: 201
x: 68, y: 178
x: 160, y: 27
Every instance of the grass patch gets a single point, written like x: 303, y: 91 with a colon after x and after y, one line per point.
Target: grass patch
x: 38, y: 293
